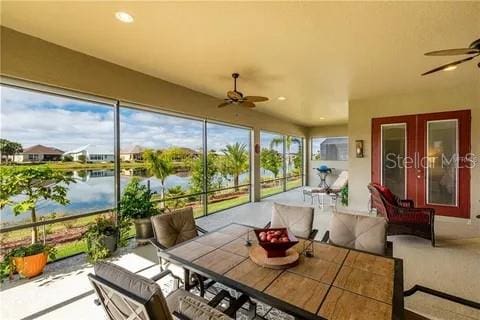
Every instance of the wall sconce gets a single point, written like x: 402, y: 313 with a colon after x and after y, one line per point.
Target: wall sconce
x: 359, y: 148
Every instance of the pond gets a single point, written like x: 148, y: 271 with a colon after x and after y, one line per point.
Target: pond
x: 94, y: 191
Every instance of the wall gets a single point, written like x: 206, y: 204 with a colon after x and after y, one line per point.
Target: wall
x: 32, y: 59
x: 325, y: 131
x: 359, y: 128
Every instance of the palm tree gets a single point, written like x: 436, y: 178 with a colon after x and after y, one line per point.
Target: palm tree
x: 289, y: 141
x: 159, y: 166
x: 236, y: 156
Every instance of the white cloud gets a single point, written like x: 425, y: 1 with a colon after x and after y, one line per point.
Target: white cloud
x: 34, y: 118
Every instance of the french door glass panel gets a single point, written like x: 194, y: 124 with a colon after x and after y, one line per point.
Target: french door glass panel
x: 393, y: 155
x: 442, y: 170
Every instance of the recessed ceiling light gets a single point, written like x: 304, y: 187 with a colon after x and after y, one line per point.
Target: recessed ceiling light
x: 124, y: 17
x: 450, y: 68
x: 322, y: 118
x: 281, y: 98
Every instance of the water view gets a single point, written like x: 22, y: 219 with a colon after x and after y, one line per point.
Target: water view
x: 165, y: 152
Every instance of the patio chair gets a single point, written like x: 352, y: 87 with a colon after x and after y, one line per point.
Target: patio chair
x: 359, y: 232
x: 170, y: 229
x: 333, y: 191
x: 299, y: 220
x: 401, y: 215
x: 126, y: 295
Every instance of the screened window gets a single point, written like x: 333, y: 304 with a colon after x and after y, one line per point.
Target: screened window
x: 335, y: 149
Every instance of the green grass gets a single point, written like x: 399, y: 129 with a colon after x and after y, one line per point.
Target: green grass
x: 70, y: 248
x: 269, y: 191
x: 221, y: 205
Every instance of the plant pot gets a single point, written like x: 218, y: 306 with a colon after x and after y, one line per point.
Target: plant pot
x: 110, y: 242
x: 143, y: 228
x: 30, y: 266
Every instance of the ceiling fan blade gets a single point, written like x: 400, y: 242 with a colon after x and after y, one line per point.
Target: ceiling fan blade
x: 224, y: 104
x: 453, y: 52
x: 451, y: 64
x: 256, y: 98
x: 247, y: 104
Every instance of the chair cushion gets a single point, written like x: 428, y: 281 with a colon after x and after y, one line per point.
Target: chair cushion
x: 299, y: 220
x: 340, y: 182
x: 137, y: 285
x: 414, y: 218
x: 359, y: 232
x: 193, y: 308
x: 175, y: 227
x: 386, y: 193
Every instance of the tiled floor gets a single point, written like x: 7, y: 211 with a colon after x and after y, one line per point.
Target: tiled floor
x: 63, y: 292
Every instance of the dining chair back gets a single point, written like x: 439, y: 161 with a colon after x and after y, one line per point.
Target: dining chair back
x: 175, y: 227
x: 359, y: 232
x: 299, y: 220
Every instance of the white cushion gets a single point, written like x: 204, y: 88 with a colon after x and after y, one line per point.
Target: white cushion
x: 359, y: 232
x: 341, y: 181
x: 299, y: 220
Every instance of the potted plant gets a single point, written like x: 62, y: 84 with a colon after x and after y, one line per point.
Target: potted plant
x: 136, y: 204
x: 28, y: 261
x: 101, y: 238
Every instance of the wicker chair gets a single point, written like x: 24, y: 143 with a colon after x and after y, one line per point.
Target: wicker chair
x: 402, y: 216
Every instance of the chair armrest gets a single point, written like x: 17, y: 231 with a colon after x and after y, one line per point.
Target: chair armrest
x: 268, y: 225
x: 326, y: 236
x: 200, y: 229
x: 313, y: 234
x: 162, y: 275
x: 427, y: 211
x: 157, y: 244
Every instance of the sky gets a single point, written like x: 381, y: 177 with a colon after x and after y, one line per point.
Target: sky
x: 32, y: 118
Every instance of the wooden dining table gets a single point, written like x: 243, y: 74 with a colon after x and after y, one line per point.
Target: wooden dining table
x: 335, y: 283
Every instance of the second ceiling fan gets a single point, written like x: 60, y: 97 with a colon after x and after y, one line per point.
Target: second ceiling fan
x: 236, y: 97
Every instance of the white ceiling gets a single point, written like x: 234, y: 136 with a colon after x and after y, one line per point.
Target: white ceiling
x: 317, y: 54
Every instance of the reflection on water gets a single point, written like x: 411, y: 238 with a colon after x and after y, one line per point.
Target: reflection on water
x: 94, y: 191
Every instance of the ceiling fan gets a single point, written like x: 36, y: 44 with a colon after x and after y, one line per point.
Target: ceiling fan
x: 473, y: 49
x: 236, y: 97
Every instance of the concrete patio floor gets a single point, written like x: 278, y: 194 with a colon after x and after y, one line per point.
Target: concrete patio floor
x: 64, y: 292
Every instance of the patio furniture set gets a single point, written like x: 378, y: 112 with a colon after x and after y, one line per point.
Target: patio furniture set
x: 324, y: 191
x: 349, y: 273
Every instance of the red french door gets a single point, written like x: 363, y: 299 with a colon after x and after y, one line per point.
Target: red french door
x: 426, y: 158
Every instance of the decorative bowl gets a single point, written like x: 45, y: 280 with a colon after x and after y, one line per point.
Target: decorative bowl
x: 277, y: 248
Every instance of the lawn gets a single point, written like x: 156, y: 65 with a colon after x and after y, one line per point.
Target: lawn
x: 269, y: 191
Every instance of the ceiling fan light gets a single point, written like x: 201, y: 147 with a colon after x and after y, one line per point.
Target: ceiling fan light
x: 450, y: 68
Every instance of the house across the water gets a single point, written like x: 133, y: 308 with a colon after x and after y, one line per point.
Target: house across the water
x: 39, y: 153
x: 91, y: 153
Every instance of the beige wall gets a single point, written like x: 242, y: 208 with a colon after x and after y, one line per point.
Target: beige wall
x: 359, y: 128
x: 28, y: 58
x: 325, y: 131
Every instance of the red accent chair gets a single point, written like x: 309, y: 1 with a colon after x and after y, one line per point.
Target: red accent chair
x: 402, y: 216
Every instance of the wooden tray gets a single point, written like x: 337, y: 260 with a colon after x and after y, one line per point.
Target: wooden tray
x: 259, y: 256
